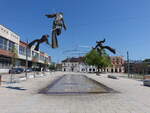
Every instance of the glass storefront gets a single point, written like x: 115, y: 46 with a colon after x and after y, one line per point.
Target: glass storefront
x: 5, y: 62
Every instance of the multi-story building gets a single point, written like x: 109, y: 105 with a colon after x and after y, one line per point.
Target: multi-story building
x: 8, y: 40
x: 77, y: 65
x: 117, y: 64
x: 137, y: 67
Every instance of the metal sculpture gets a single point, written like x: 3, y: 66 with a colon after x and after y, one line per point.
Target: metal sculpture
x: 99, y: 47
x: 43, y: 39
x: 58, y: 23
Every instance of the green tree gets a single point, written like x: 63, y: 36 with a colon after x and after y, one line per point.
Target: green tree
x: 52, y: 66
x: 14, y: 57
x: 146, y: 66
x: 95, y: 59
x: 14, y: 54
x: 146, y: 60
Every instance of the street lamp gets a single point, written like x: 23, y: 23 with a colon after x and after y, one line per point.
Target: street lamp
x: 128, y: 64
x: 26, y: 61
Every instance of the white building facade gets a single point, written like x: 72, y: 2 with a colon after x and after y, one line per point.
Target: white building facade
x: 77, y: 65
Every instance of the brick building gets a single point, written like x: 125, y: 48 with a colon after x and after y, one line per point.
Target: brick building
x: 117, y: 64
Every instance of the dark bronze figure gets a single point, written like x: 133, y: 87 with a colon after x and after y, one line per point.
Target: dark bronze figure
x: 44, y: 38
x: 99, y: 47
x: 58, y: 23
x: 99, y: 44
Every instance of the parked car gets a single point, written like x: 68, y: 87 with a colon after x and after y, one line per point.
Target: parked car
x: 36, y: 69
x: 46, y: 70
x: 146, y: 82
x: 111, y: 76
x: 16, y: 70
x: 28, y: 70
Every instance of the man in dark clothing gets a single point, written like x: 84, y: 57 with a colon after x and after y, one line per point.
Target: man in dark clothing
x: 58, y: 23
x: 44, y: 38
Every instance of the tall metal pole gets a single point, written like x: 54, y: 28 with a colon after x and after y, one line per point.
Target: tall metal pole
x: 26, y: 67
x: 128, y: 64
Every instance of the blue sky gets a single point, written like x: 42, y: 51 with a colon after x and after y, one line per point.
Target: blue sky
x: 124, y: 23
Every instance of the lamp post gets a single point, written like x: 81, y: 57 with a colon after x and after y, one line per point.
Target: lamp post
x: 26, y: 75
x: 128, y: 64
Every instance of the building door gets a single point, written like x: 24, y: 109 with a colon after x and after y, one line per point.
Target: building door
x: 112, y: 70
x: 120, y: 70
x: 72, y: 69
x: 90, y: 70
x: 93, y: 70
x: 116, y: 70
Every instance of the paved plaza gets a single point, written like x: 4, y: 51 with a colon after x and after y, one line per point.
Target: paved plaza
x: 23, y: 97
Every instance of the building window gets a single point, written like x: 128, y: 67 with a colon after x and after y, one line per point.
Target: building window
x: 6, y: 44
x: 29, y: 52
x: 3, y: 43
x: 11, y: 45
x: 42, y: 58
x: 34, y: 54
x: 22, y: 50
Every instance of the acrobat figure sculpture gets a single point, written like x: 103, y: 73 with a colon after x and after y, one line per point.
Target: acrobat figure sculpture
x: 58, y: 23
x: 99, y: 47
x: 43, y: 39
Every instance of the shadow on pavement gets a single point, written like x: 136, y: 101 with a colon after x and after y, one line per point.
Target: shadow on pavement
x: 16, y: 88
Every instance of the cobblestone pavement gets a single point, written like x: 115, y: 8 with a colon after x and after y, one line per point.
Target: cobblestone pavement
x: 23, y: 97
